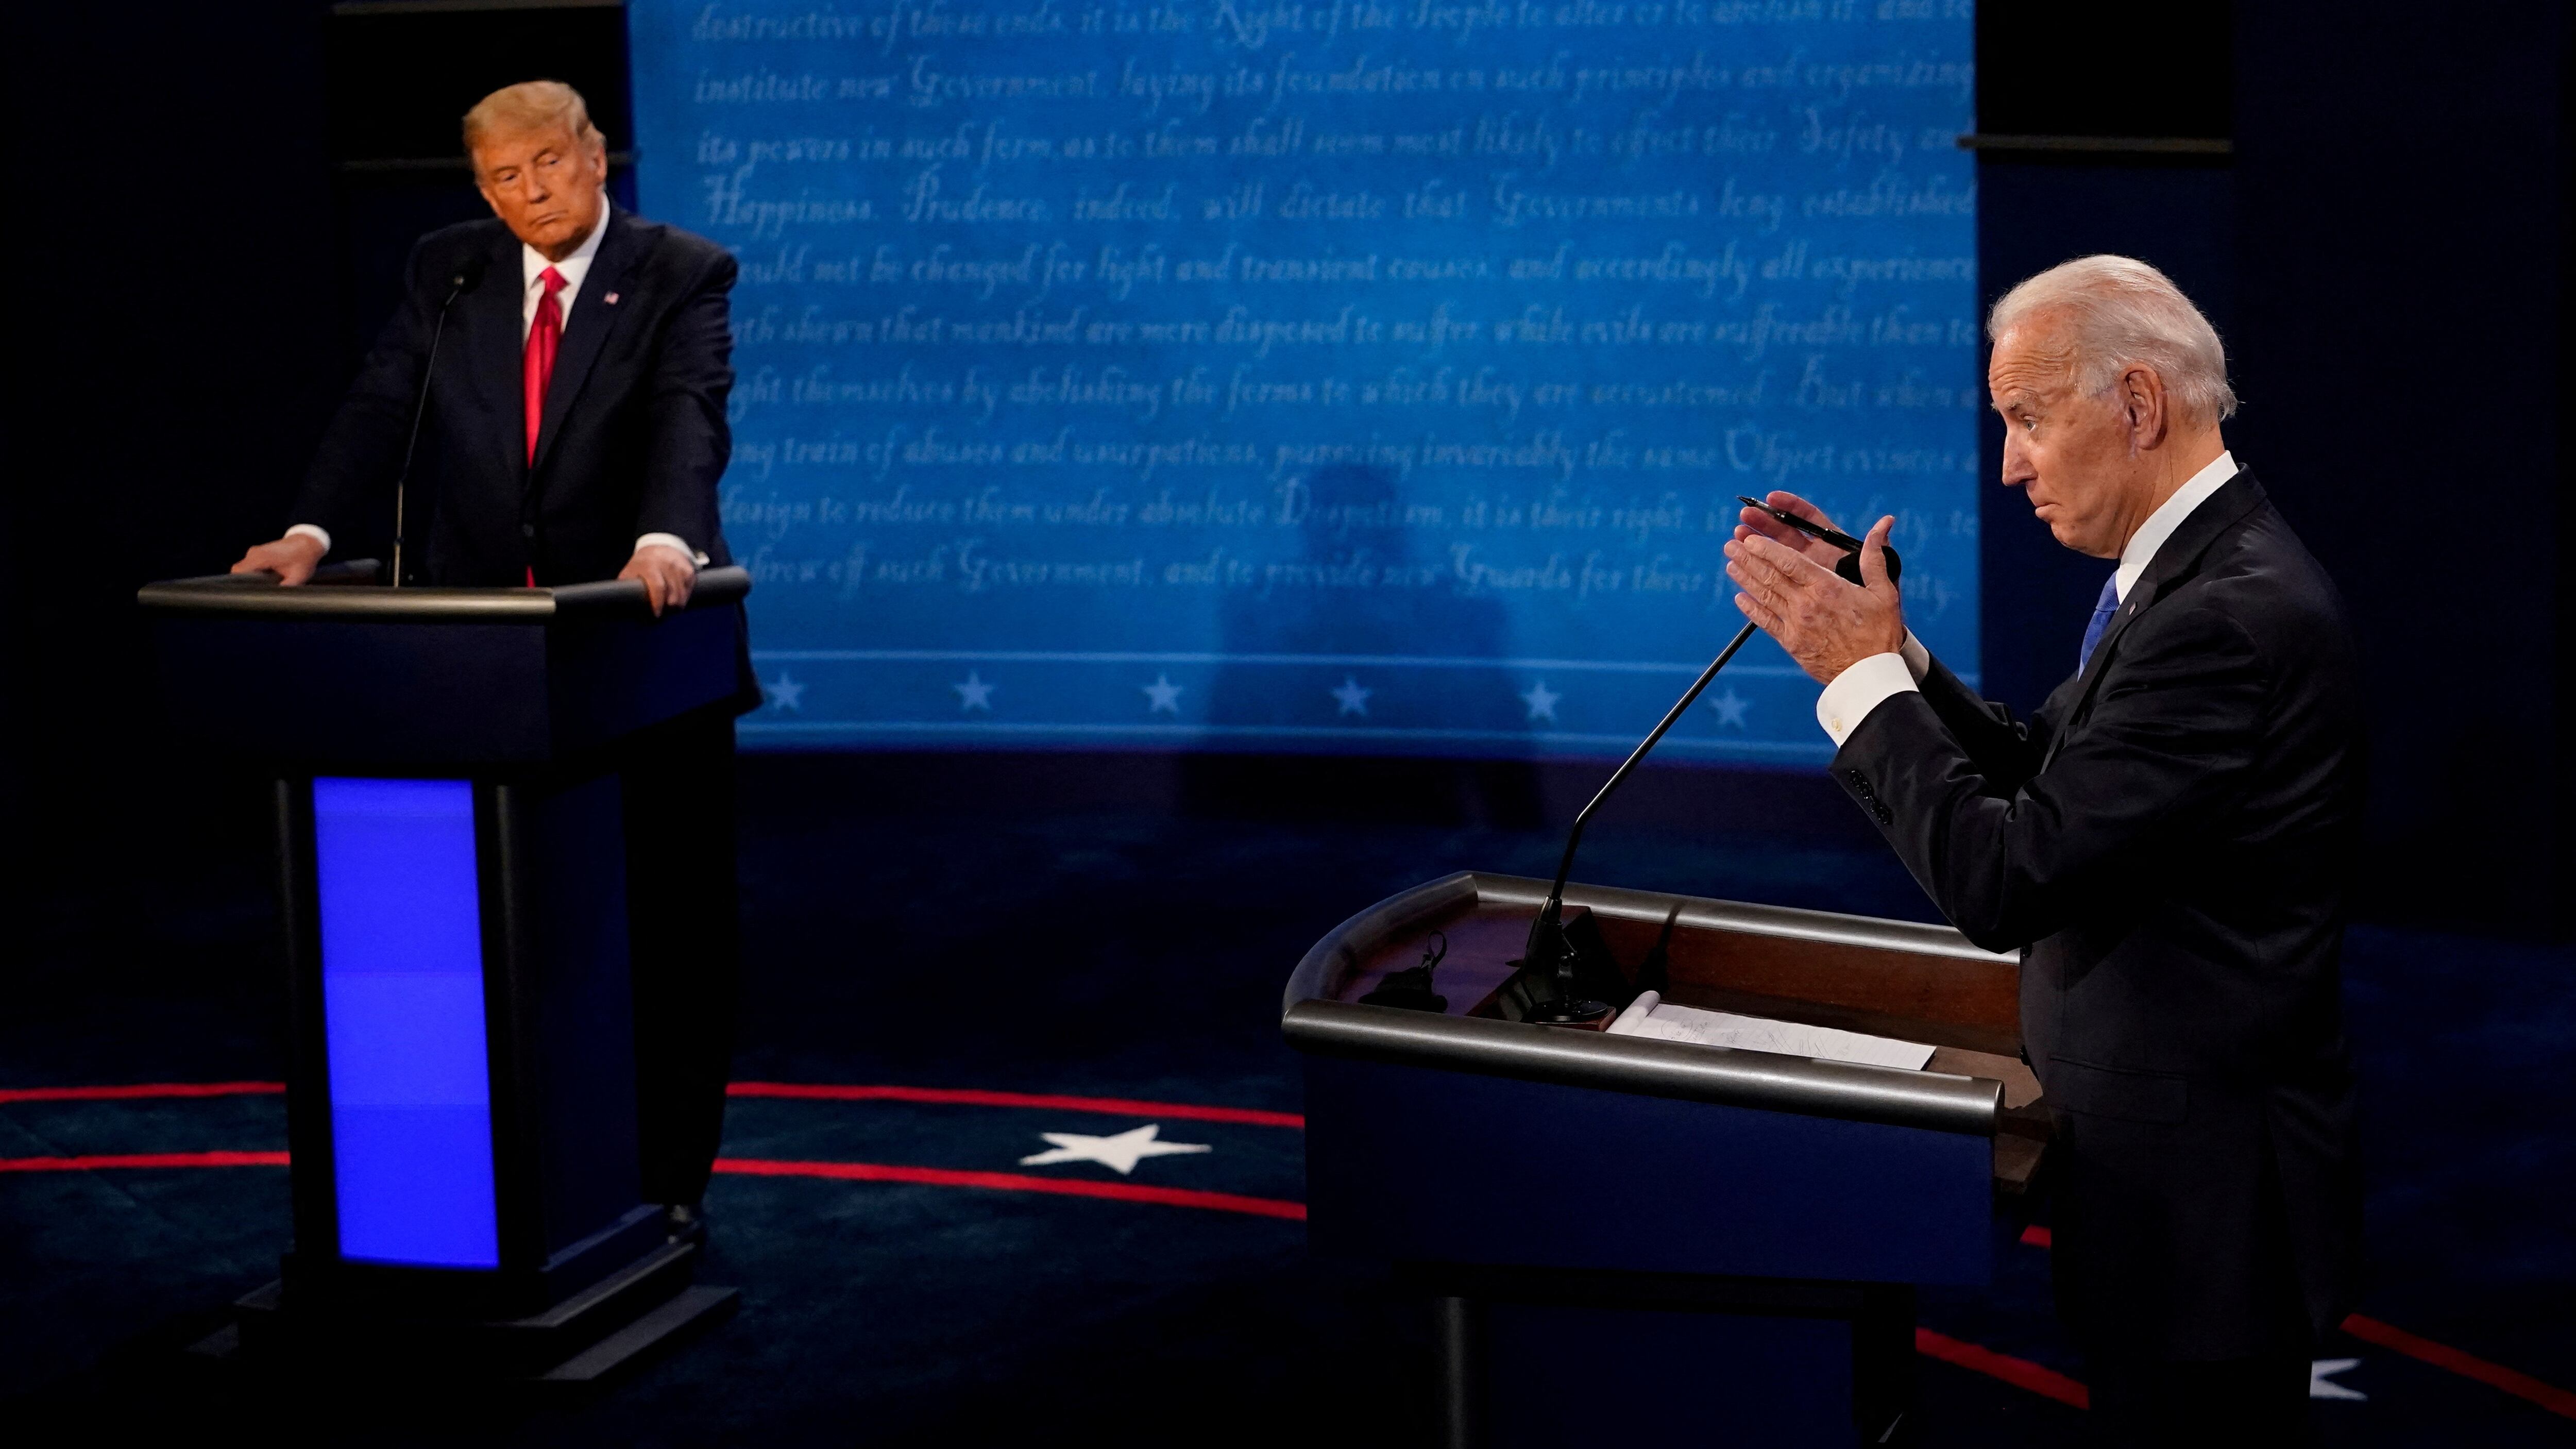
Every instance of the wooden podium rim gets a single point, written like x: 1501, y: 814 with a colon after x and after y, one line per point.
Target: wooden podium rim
x: 1315, y: 1023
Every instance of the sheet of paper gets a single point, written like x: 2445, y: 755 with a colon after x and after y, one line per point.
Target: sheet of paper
x: 1651, y: 1016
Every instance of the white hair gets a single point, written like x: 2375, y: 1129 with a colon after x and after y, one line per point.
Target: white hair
x: 2122, y: 313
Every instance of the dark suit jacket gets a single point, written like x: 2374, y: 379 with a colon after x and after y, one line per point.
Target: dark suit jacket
x: 632, y: 441
x: 2170, y: 841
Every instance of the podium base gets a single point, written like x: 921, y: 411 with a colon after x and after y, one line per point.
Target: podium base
x: 1789, y: 1363
x: 587, y: 1339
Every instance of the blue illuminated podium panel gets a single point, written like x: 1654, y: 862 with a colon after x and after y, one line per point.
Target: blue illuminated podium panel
x: 402, y: 1003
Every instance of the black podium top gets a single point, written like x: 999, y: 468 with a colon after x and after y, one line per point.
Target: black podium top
x: 343, y: 674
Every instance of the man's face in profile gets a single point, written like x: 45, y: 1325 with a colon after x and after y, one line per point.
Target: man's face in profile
x: 544, y: 185
x: 2068, y: 451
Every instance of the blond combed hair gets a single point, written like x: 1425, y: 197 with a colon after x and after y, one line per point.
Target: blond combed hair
x: 2119, y: 313
x: 530, y: 106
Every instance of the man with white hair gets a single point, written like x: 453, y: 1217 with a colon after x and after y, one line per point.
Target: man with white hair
x: 577, y: 360
x: 2169, y: 842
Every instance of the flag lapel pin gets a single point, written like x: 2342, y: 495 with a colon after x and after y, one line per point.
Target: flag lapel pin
x: 610, y: 299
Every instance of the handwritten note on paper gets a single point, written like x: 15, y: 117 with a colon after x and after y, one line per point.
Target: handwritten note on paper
x: 1317, y: 374
x: 1651, y: 1016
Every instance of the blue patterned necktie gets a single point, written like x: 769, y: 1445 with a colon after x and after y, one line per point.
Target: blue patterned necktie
x: 2103, y: 608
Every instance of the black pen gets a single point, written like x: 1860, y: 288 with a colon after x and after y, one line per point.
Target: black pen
x: 1816, y: 531
x: 1849, y: 565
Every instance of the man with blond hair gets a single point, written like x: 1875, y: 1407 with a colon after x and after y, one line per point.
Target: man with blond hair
x: 575, y: 426
x: 2169, y: 842
x: 573, y: 429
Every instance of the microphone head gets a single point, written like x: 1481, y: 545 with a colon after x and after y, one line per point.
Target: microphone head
x: 469, y: 272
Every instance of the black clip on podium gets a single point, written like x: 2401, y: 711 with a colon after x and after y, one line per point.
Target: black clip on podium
x: 461, y: 1086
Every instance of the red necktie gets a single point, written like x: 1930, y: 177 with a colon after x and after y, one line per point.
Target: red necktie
x: 537, y: 366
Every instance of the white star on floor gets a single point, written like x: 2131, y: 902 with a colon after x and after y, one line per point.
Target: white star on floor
x: 1541, y: 701
x: 1730, y: 708
x: 1119, y: 1154
x: 787, y: 693
x: 1162, y: 696
x: 2321, y: 1384
x: 974, y: 693
x: 1353, y: 698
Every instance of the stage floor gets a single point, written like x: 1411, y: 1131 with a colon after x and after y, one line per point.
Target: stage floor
x: 964, y: 983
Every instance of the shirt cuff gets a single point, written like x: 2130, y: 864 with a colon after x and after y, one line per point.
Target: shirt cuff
x: 1858, y: 690
x: 672, y: 540
x: 1918, y: 660
x: 312, y: 531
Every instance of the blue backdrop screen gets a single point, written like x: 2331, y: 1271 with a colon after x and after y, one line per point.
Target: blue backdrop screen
x: 1368, y: 375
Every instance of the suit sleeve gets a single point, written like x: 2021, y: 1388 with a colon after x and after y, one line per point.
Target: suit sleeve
x: 690, y: 440
x: 2167, y: 747
x: 2005, y: 750
x: 348, y: 490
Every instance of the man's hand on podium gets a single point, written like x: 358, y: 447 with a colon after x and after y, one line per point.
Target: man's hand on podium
x: 667, y: 573
x: 292, y: 558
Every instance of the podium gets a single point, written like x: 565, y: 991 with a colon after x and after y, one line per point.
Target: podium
x: 1645, y: 1242
x: 461, y: 1088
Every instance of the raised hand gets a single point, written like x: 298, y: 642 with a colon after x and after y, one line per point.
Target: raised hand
x: 1824, y: 622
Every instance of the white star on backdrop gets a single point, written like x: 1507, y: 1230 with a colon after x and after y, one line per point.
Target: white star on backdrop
x: 1730, y: 708
x: 975, y: 693
x: 1119, y: 1154
x: 2321, y: 1384
x: 787, y: 693
x: 1541, y: 701
x: 1354, y: 699
x: 1162, y: 696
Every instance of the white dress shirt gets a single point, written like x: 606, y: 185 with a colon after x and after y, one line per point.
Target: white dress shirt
x: 532, y: 266
x: 1873, y: 681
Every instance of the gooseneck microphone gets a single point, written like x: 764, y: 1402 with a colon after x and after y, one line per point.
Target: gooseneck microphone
x: 459, y: 282
x: 1549, y: 956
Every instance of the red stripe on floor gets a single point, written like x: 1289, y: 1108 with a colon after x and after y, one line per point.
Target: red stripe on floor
x: 143, y: 1159
x: 2521, y: 1385
x: 2021, y: 1373
x: 1106, y: 1106
x: 2440, y: 1355
x: 1267, y: 1207
x: 140, y: 1089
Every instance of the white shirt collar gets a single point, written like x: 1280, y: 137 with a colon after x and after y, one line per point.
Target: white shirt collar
x: 532, y: 264
x: 2160, y: 525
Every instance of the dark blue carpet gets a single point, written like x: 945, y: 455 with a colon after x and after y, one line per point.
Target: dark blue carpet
x: 1136, y: 953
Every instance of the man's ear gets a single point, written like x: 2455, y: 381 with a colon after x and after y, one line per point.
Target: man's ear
x: 2142, y: 399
